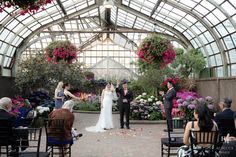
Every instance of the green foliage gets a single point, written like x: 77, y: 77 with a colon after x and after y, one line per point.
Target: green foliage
x: 150, y: 81
x: 89, y: 74
x: 155, y: 116
x: 87, y: 106
x: 190, y: 62
x: 36, y: 72
x: 91, y: 106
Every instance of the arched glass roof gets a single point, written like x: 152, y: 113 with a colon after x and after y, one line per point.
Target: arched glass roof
x: 206, y: 24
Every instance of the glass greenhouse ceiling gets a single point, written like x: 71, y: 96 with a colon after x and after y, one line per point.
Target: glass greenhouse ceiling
x: 206, y: 24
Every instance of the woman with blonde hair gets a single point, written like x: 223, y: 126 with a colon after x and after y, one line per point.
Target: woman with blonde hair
x: 59, y: 95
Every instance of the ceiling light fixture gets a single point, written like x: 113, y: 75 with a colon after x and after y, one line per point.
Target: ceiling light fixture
x: 108, y: 3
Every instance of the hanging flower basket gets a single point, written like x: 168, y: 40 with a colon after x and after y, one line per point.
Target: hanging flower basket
x: 61, y: 50
x: 156, y: 50
x: 26, y: 6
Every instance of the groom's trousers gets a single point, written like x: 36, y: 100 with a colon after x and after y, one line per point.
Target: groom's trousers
x: 124, y: 110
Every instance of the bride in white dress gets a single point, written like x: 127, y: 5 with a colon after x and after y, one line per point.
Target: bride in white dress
x: 105, y: 119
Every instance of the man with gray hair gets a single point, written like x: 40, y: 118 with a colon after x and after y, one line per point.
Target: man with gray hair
x: 7, y: 120
x: 5, y: 108
x: 225, y: 119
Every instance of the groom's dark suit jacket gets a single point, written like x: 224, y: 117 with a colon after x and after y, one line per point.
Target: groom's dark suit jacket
x: 121, y: 94
x: 169, y: 96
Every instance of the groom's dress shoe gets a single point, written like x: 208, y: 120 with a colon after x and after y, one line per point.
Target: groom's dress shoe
x: 128, y: 127
x: 122, y: 127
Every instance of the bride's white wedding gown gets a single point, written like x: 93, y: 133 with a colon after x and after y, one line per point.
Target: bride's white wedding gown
x: 105, y: 118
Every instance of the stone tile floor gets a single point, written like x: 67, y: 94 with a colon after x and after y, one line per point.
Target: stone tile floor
x: 142, y: 140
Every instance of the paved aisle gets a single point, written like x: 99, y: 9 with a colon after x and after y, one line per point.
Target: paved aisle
x: 140, y: 141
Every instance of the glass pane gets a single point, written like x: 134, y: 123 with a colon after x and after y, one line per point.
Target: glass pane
x: 218, y: 59
x: 229, y: 8
x: 228, y: 42
x: 232, y: 56
x: 233, y: 69
x: 220, y: 72
x: 221, y: 29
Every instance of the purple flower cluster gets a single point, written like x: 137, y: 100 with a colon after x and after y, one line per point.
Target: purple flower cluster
x: 191, y: 106
x: 186, y: 94
x: 188, y: 100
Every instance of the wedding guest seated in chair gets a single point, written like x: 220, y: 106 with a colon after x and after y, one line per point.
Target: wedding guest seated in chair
x: 225, y: 118
x: 228, y: 148
x: 66, y: 114
x: 203, y: 123
x: 7, y: 122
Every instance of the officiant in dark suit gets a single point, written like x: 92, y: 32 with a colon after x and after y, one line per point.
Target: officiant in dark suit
x: 168, y: 104
x: 125, y: 97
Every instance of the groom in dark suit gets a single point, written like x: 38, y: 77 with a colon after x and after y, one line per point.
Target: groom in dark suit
x: 168, y: 104
x: 125, y: 97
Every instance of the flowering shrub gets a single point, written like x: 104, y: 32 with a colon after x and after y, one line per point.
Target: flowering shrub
x: 40, y: 98
x: 61, y: 50
x: 20, y: 106
x: 26, y: 6
x: 187, y: 103
x: 146, y: 107
x: 156, y: 50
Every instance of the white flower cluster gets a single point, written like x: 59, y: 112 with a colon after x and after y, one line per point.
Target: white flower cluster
x: 41, y: 109
x: 144, y: 98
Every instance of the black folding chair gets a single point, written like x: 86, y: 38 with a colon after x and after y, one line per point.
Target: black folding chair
x: 203, y: 143
x: 6, y: 136
x: 55, y: 139
x: 32, y: 143
x: 174, y: 139
x: 4, y: 140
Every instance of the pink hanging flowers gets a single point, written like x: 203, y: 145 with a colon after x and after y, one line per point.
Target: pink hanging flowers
x: 26, y: 6
x: 156, y: 50
x: 61, y: 50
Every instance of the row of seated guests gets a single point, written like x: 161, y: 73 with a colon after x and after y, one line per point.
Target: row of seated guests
x: 9, y: 120
x: 223, y: 122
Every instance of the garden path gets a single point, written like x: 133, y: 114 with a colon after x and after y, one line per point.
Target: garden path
x: 141, y: 141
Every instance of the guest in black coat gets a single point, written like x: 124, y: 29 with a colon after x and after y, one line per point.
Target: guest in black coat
x: 5, y: 108
x: 225, y: 119
x: 7, y: 120
x: 168, y: 104
x: 229, y: 146
x: 125, y: 97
